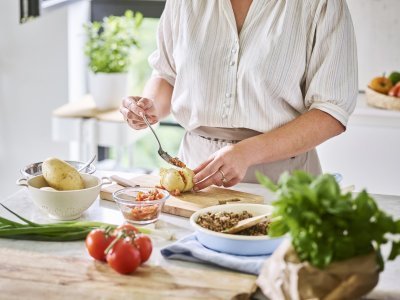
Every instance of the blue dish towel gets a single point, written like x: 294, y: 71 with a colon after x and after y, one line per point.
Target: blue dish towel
x: 190, y: 249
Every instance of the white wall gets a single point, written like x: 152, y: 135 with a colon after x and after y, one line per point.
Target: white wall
x: 367, y: 156
x: 377, y: 26
x: 34, y: 80
x: 368, y: 153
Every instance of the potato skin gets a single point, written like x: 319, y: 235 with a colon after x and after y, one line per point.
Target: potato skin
x: 177, y: 179
x: 61, y: 176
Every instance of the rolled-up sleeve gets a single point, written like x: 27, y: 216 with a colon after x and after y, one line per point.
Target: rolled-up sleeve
x: 161, y: 60
x: 332, y: 72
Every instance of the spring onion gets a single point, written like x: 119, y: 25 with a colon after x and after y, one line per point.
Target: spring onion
x: 63, y: 231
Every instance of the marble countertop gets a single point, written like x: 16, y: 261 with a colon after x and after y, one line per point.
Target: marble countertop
x: 106, y: 211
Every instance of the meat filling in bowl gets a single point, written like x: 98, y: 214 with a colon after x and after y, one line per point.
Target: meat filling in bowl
x: 221, y: 221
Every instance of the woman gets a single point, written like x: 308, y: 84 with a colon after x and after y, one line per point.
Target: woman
x: 256, y: 84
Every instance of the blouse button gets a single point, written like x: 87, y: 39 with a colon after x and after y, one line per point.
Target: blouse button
x: 232, y: 63
x: 228, y: 95
x: 233, y: 50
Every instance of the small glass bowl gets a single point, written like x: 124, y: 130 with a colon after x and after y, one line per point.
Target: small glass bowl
x: 139, y: 212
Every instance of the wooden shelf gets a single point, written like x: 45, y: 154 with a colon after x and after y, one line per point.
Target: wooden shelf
x: 86, y: 108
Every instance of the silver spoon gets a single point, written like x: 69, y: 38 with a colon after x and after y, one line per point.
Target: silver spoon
x: 165, y: 156
x: 87, y: 164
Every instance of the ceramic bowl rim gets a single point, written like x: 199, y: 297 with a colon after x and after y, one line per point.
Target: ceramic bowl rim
x: 197, y: 227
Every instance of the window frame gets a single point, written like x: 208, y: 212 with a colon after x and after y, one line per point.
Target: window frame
x: 102, y: 8
x: 30, y: 9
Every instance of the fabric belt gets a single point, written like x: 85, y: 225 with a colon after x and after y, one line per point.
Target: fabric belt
x: 219, y: 140
x: 224, y: 135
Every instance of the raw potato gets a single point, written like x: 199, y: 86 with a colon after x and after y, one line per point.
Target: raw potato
x: 61, y: 176
x: 177, y: 179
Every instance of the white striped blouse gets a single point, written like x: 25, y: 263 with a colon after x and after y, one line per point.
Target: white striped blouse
x: 290, y: 56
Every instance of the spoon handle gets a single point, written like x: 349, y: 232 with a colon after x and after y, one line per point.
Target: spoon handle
x: 87, y: 164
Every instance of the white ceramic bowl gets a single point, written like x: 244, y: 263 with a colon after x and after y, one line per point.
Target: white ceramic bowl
x: 64, y: 205
x: 232, y: 243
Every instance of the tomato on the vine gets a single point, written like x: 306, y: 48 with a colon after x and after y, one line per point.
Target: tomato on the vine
x: 127, y: 228
x: 97, y: 242
x: 144, y: 245
x: 126, y: 248
x: 124, y: 257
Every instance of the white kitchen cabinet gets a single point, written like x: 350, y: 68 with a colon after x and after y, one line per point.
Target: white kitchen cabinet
x: 368, y: 153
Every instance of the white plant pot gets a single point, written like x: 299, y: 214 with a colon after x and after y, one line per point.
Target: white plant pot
x: 108, y: 89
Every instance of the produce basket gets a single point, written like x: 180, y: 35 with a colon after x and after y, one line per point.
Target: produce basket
x: 379, y: 100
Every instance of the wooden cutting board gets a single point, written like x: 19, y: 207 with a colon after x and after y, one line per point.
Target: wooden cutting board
x: 187, y: 203
x: 27, y: 275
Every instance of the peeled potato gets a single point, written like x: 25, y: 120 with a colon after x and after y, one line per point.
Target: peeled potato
x: 61, y: 176
x: 177, y: 179
x: 171, y: 180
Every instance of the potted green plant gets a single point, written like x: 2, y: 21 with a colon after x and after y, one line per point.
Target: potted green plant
x: 109, y: 48
x: 335, y: 238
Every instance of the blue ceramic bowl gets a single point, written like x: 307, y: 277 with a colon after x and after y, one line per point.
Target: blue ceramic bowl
x: 232, y: 243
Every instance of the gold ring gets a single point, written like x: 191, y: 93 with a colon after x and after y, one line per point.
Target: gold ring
x: 223, y: 179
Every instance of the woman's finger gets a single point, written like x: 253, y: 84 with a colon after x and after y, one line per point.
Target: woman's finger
x: 128, y: 101
x: 137, y: 126
x: 145, y: 103
x: 127, y: 114
x: 132, y: 109
x: 231, y: 182
x: 139, y: 105
x: 203, y: 165
x: 124, y: 112
x: 215, y: 179
x: 208, y: 170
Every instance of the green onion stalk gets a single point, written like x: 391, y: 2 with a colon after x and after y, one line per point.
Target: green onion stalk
x: 58, y: 232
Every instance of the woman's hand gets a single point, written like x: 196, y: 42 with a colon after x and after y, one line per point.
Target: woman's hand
x: 225, y: 167
x: 132, y: 108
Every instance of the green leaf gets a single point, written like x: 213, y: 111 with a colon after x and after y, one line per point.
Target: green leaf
x: 109, y: 43
x: 265, y: 181
x: 397, y: 226
x: 277, y: 228
x: 395, y: 250
x: 18, y: 216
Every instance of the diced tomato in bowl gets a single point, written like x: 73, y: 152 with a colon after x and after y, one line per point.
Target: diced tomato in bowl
x: 141, y: 205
